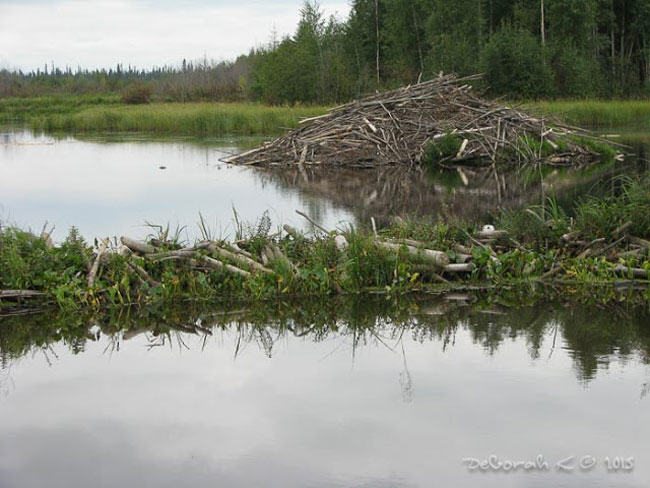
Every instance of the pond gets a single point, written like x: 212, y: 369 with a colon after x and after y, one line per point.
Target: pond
x: 112, y: 186
x: 371, y: 392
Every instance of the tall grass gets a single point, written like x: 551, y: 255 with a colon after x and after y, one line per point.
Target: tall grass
x: 18, y: 110
x: 179, y: 119
x: 597, y: 113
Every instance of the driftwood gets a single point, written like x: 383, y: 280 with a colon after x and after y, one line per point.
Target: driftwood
x: 637, y: 273
x: 92, y: 275
x: 397, y: 127
x: 438, y: 258
x: 138, y: 246
x: 239, y: 258
x: 19, y: 294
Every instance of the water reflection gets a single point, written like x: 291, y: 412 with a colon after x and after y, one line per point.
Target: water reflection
x: 473, y: 196
x: 592, y: 335
x: 113, y: 185
x: 352, y: 392
x: 112, y: 188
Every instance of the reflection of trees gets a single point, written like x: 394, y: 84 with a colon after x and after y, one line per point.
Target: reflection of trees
x: 593, y: 336
x: 388, y: 191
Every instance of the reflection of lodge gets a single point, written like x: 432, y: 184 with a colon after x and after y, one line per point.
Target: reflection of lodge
x: 593, y: 335
x: 469, y: 194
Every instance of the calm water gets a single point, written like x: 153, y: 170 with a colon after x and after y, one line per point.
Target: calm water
x: 346, y: 393
x: 113, y: 186
x: 370, y: 393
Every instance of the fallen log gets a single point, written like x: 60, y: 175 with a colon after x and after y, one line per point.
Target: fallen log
x: 92, y: 275
x: 139, y: 247
x: 215, y: 264
x: 459, y: 268
x: 19, y: 294
x: 637, y: 273
x: 238, y: 258
x: 438, y: 258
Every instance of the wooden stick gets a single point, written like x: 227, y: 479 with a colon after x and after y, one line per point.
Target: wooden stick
x: 92, y: 275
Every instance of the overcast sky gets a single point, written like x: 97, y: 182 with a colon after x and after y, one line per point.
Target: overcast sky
x: 101, y: 33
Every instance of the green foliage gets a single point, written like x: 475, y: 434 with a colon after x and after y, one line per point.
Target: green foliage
x: 588, y: 48
x: 513, y: 62
x: 442, y: 149
x: 630, y: 201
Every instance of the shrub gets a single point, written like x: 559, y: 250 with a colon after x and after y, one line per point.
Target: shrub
x: 441, y: 149
x: 137, y: 93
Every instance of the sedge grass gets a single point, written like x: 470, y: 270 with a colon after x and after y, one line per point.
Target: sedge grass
x: 200, y: 119
x: 597, y: 113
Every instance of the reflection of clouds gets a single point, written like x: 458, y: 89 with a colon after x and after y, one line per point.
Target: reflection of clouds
x: 113, y: 188
x: 195, y: 418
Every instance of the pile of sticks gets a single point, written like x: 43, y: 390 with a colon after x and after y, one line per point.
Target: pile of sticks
x: 396, y: 127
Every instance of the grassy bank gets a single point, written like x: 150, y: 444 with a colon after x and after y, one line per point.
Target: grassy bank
x: 23, y: 110
x: 605, y: 241
x: 108, y: 114
x: 597, y: 113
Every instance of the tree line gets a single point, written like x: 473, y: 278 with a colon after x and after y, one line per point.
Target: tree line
x: 526, y: 48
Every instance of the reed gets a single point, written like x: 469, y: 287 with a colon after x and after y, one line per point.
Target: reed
x: 597, y: 113
x: 200, y: 119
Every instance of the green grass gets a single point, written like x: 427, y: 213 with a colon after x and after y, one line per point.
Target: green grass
x: 597, y: 113
x: 21, y: 110
x: 107, y: 114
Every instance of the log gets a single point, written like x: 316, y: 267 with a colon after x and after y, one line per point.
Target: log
x: 239, y: 258
x: 637, y: 273
x: 438, y: 258
x: 459, y: 268
x: 137, y: 246
x: 622, y: 228
x: 215, y: 264
x: 19, y: 294
x: 491, y: 234
x: 639, y: 242
x: 140, y: 271
x: 92, y: 275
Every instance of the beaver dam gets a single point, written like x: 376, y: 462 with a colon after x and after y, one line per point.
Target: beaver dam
x: 440, y: 122
x: 605, y: 242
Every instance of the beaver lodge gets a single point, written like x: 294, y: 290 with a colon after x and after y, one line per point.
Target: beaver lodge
x: 440, y: 122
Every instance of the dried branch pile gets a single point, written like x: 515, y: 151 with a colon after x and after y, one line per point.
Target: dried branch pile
x: 403, y: 126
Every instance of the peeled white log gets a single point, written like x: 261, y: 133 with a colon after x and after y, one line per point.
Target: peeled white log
x: 239, y: 258
x: 137, y: 246
x: 438, y: 258
x: 215, y: 264
x: 491, y: 234
x: 459, y: 268
x: 92, y: 274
